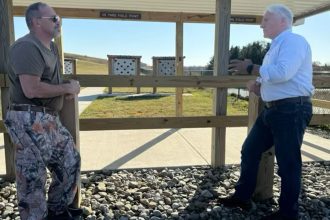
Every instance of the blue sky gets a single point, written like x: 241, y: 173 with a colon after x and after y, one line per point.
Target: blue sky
x: 98, y: 38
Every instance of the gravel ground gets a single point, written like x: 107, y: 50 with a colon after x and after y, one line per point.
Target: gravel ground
x: 318, y: 131
x: 185, y: 193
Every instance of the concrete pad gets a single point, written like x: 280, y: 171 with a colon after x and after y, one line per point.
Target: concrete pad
x: 172, y: 147
x: 200, y: 141
x: 136, y: 148
x: 315, y: 148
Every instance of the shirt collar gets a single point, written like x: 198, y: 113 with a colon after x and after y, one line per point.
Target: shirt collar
x: 281, y: 35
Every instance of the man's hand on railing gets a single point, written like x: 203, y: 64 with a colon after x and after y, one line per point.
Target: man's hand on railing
x: 239, y: 67
x: 69, y: 96
x: 253, y: 86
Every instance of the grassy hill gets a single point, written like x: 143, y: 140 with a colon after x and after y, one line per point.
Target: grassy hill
x: 86, y: 58
x: 91, y: 65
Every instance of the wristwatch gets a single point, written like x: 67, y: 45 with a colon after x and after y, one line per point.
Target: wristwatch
x: 249, y: 69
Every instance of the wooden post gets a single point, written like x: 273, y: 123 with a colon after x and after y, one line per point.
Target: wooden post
x: 110, y: 72
x: 179, y: 67
x: 70, y: 113
x: 6, y: 39
x: 59, y: 44
x: 221, y: 56
x: 70, y: 119
x: 154, y: 72
x: 74, y: 67
x: 264, y: 187
x: 137, y: 73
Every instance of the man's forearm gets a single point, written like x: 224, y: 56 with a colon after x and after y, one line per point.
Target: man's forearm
x: 45, y: 90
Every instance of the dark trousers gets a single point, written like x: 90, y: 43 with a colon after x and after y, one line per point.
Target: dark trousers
x: 282, y: 126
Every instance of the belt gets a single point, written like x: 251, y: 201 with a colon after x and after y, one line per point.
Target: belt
x: 300, y: 99
x: 32, y: 108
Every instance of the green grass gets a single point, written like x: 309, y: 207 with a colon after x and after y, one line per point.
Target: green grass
x: 87, y: 67
x: 198, y: 103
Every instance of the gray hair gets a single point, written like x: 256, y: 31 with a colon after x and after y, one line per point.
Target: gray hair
x: 33, y: 11
x: 283, y: 11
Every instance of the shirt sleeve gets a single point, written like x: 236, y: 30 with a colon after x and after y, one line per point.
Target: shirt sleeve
x: 290, y: 56
x: 25, y: 58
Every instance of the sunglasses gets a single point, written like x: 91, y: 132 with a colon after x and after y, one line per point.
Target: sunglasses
x: 54, y: 18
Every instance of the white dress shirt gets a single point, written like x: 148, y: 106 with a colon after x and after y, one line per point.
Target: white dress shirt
x: 287, y: 70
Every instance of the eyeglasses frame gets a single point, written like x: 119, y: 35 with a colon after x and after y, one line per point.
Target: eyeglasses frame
x: 54, y: 19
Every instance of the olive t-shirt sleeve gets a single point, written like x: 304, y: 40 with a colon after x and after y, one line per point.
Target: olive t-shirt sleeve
x: 26, y: 59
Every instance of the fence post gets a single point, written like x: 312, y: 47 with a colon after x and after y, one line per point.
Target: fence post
x: 59, y: 42
x: 7, y: 38
x: 264, y: 187
x: 138, y: 71
x: 221, y: 57
x: 179, y: 67
x: 110, y: 72
x: 154, y: 71
x: 70, y: 119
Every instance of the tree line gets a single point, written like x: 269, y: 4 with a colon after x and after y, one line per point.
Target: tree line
x: 256, y: 52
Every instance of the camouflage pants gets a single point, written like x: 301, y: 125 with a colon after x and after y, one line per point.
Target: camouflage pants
x: 41, y: 142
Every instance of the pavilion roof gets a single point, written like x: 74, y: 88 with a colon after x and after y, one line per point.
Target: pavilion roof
x: 171, y: 10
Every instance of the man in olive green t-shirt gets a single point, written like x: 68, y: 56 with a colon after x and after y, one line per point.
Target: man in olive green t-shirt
x: 40, y: 140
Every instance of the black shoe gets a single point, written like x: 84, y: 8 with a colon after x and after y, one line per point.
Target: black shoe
x: 75, y: 211
x: 277, y: 216
x: 63, y: 216
x: 235, y: 202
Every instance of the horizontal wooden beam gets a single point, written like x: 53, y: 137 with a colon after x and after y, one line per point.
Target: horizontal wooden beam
x: 321, y: 81
x: 176, y: 81
x: 93, y: 124
x: 143, y: 15
x: 169, y: 81
x: 320, y: 119
x: 162, y: 122
x: 162, y: 81
x: 321, y: 103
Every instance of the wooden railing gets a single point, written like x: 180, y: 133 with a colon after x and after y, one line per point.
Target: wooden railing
x: 90, y: 124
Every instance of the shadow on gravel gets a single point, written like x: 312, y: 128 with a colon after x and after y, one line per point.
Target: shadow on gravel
x: 215, y: 183
x: 205, y: 193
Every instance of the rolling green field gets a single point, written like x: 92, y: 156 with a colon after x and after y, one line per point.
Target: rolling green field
x: 88, y: 67
x: 196, y: 102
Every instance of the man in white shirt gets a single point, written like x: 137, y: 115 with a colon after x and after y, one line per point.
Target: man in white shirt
x: 285, y: 85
